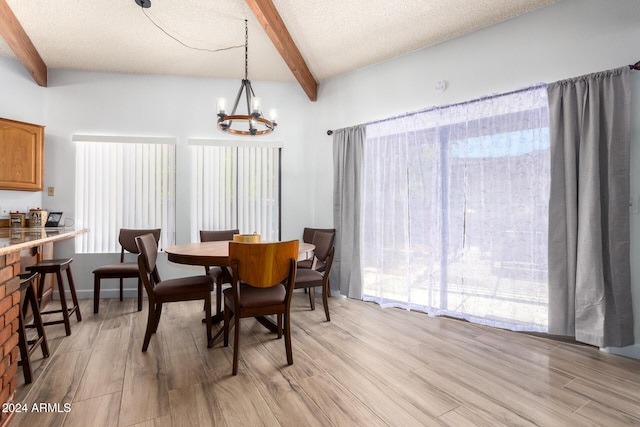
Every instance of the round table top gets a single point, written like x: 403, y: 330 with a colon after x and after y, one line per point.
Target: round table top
x: 213, y: 253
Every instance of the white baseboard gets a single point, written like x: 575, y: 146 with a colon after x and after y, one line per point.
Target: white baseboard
x: 632, y: 351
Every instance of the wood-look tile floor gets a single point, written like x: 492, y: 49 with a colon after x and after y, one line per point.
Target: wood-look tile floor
x: 367, y: 367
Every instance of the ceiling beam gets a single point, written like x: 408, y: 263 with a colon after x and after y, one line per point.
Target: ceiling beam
x: 18, y: 40
x: 271, y: 21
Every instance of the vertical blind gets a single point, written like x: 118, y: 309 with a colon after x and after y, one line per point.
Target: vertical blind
x: 235, y: 185
x: 123, y: 182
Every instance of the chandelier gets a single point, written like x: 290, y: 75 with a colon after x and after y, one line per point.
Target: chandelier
x: 252, y: 123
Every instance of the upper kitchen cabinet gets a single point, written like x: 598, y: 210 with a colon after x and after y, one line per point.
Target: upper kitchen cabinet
x: 21, y: 156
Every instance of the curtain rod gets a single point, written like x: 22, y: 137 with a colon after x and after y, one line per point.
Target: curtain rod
x: 482, y: 98
x: 635, y: 66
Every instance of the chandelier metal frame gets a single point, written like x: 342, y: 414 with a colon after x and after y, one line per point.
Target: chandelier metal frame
x: 254, y: 121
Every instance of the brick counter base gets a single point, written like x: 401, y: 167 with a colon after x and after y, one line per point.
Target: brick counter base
x: 9, y: 310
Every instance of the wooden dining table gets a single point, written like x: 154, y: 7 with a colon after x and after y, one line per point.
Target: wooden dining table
x: 217, y: 254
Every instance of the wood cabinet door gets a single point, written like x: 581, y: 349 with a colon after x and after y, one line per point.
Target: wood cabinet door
x: 21, y: 156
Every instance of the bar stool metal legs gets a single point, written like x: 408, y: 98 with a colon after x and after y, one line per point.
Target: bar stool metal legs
x: 28, y: 300
x: 56, y: 266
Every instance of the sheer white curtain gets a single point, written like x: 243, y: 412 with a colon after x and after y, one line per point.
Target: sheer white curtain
x: 235, y: 185
x: 455, y: 211
x: 123, y: 182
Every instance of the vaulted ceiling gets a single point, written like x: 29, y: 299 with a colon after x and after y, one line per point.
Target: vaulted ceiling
x: 289, y: 40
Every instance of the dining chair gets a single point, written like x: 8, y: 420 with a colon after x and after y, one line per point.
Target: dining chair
x: 262, y: 284
x: 317, y: 262
x: 171, y: 290
x: 220, y: 275
x: 308, y: 278
x: 122, y: 270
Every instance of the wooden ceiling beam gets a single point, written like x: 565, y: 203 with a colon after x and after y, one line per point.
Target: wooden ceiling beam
x: 18, y: 40
x: 271, y: 21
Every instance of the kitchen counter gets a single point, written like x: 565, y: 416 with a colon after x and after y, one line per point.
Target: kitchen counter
x: 17, y: 239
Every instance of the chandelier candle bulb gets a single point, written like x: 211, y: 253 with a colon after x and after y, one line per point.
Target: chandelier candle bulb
x: 221, y: 106
x: 255, y: 105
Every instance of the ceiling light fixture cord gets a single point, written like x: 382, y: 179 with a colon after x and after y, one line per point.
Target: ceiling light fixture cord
x: 181, y: 42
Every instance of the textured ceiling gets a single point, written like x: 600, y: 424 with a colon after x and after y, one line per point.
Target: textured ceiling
x: 334, y: 37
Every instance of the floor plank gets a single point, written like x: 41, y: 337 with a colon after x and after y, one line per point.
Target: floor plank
x: 145, y: 394
x: 56, y: 387
x: 285, y: 397
x: 105, y: 371
x: 195, y: 406
x: 103, y: 411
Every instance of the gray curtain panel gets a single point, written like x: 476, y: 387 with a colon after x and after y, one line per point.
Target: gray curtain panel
x: 589, y: 271
x: 348, y: 160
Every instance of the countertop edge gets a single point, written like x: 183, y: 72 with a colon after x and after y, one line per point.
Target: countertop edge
x: 63, y: 235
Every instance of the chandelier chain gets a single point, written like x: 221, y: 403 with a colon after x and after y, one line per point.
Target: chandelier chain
x: 246, y: 50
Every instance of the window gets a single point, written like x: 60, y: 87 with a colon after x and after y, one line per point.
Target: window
x: 456, y: 208
x: 235, y: 185
x: 123, y: 182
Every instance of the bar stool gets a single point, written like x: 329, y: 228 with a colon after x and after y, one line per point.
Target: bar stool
x: 28, y: 300
x: 56, y: 266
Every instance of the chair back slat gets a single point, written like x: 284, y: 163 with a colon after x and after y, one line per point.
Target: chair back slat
x: 263, y: 265
x: 127, y: 237
x: 323, y: 243
x: 217, y: 235
x: 148, y: 249
x: 308, y: 232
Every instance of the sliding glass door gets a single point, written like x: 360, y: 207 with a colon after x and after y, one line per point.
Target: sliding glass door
x: 455, y: 215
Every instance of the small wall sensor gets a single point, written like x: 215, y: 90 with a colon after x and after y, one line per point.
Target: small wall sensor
x: 441, y: 86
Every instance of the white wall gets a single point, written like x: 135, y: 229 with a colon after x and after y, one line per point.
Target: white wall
x: 569, y: 39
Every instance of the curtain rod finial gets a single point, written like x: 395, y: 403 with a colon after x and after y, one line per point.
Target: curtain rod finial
x: 329, y: 132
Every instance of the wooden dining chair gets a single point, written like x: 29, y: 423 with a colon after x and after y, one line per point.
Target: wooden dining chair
x: 261, y: 285
x: 220, y: 275
x: 172, y: 290
x: 308, y: 278
x: 322, y: 249
x: 122, y: 270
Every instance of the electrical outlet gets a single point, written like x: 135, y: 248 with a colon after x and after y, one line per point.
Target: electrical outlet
x: 4, y: 212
